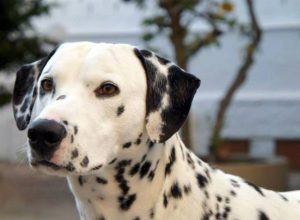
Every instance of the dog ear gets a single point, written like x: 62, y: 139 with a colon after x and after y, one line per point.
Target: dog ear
x: 25, y: 90
x: 170, y: 91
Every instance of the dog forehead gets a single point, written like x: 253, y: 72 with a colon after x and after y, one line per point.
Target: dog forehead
x: 87, y: 58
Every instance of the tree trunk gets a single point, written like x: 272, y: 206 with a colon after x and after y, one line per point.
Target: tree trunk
x: 243, y: 70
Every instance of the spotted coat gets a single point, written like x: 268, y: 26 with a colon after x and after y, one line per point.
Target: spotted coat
x: 121, y: 152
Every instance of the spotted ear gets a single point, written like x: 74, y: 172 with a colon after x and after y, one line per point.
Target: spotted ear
x: 25, y: 90
x: 170, y: 91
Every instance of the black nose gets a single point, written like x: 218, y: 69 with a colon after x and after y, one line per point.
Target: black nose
x: 45, y: 136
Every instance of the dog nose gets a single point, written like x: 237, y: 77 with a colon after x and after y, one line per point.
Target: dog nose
x: 45, y: 136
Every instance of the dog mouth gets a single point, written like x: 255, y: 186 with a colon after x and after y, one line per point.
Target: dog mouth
x: 46, y: 164
x: 70, y: 168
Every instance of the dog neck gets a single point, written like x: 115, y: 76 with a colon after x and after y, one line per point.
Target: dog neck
x: 133, y: 185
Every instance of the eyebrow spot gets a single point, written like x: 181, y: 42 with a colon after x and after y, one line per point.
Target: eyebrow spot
x: 75, y: 129
x: 61, y: 97
x: 120, y: 110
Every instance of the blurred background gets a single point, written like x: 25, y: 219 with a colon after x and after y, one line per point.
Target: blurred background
x: 245, y: 116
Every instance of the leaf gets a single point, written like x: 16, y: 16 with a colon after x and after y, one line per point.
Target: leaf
x: 148, y: 36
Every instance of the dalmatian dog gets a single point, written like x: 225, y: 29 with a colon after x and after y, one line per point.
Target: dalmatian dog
x: 106, y: 116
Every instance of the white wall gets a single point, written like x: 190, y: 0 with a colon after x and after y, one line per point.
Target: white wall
x: 268, y: 105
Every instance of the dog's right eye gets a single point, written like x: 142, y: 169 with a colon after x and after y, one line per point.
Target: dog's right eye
x: 47, y: 85
x: 107, y: 89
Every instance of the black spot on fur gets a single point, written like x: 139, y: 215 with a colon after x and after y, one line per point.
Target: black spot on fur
x: 112, y: 161
x: 263, y: 216
x: 219, y: 198
x: 206, y: 194
x: 70, y: 167
x: 283, y: 197
x: 101, y: 180
x: 72, y: 138
x: 227, y: 200
x: 145, y: 168
x: 165, y: 200
x: 120, y: 110
x: 127, y: 145
x: 101, y: 218
x: 175, y: 191
x: 143, y: 158
x: 84, y: 162
x: 206, y: 216
x: 123, y: 163
x: 187, y: 189
x: 233, y: 193
x: 227, y: 209
x: 126, y: 201
x: 65, y: 122
x: 152, y: 213
x: 97, y: 167
x: 134, y: 169
x: 172, y: 159
x: 61, y: 97
x: 138, y: 140
x: 202, y: 180
x: 74, y: 154
x: 255, y: 187
x: 207, y: 173
x: 75, y: 129
x: 152, y: 172
x: 234, y: 183
x: 190, y: 160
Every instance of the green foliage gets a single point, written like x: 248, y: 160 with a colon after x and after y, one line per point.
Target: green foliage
x: 19, y: 42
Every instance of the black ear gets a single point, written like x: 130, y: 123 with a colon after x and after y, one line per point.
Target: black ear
x: 25, y: 90
x: 170, y: 91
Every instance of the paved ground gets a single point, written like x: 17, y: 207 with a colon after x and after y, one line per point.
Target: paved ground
x: 28, y: 195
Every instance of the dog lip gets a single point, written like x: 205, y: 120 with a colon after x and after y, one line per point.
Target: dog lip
x: 47, y: 164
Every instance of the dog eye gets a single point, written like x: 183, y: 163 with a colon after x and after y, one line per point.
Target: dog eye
x: 107, y: 89
x: 47, y: 85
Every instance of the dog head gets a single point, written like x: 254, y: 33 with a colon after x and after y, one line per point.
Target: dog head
x: 85, y: 102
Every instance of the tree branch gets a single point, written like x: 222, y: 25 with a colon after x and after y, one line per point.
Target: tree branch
x: 237, y: 82
x: 198, y: 43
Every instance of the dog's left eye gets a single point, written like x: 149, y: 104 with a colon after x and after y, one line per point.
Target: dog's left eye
x: 47, y: 85
x: 107, y: 89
